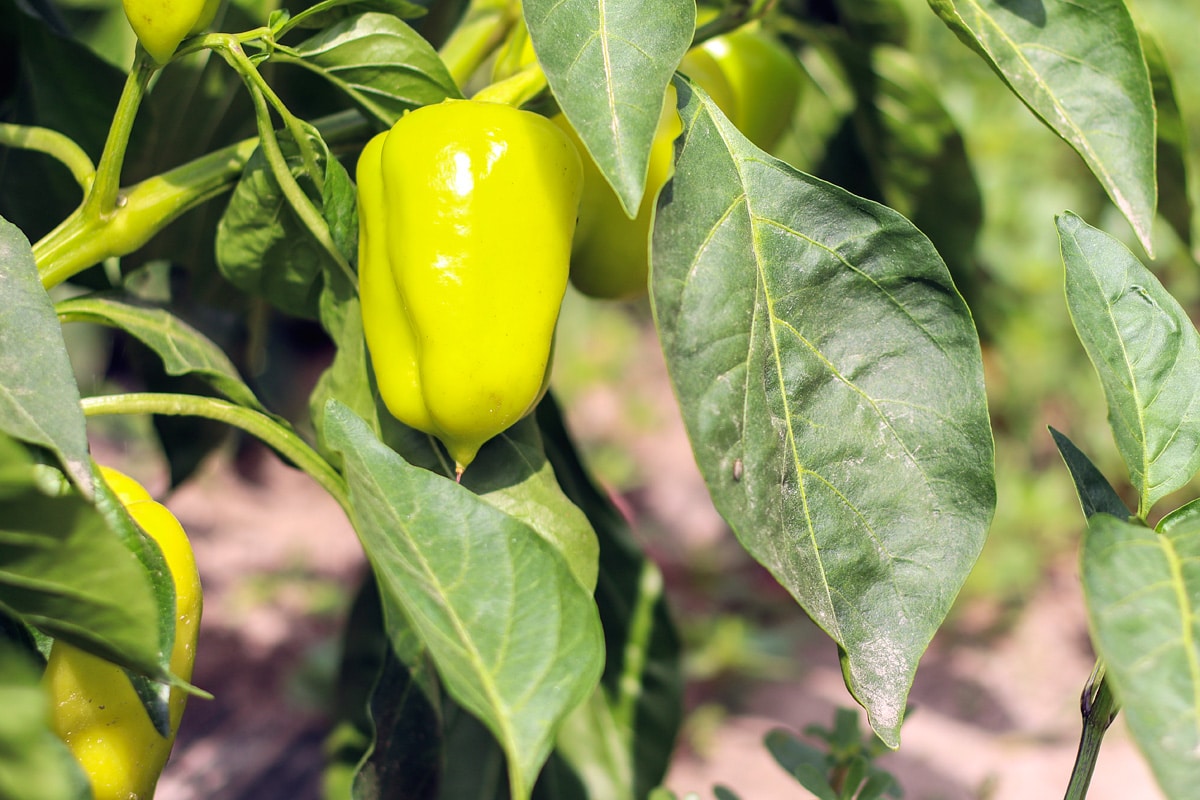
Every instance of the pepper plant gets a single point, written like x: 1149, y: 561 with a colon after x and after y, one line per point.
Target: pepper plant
x: 513, y: 640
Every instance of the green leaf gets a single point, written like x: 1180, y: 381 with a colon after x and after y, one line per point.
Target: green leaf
x: 34, y: 763
x: 381, y: 63
x: 639, y: 704
x: 1096, y: 494
x: 263, y: 247
x: 515, y: 638
x: 1146, y: 352
x: 608, y: 70
x: 325, y: 13
x: 831, y: 381
x: 65, y: 571
x: 512, y: 474
x: 1079, y: 67
x: 1142, y: 590
x: 39, y: 400
x: 183, y: 349
x: 1172, y: 150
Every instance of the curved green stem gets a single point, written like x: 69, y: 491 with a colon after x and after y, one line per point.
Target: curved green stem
x: 295, y: 195
x: 517, y: 90
x: 79, y: 241
x: 54, y: 144
x: 1099, y: 709
x: 102, y: 198
x: 734, y: 16
x: 144, y: 209
x: 282, y: 439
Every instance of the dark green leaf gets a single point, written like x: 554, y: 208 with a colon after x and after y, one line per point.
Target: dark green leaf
x: 1079, y: 67
x: 64, y: 570
x: 381, y: 64
x: 831, y: 380
x: 263, y: 247
x: 1096, y: 494
x: 39, y: 400
x: 183, y: 349
x: 608, y: 70
x: 1146, y: 352
x: 1172, y: 151
x: 640, y: 702
x: 324, y: 14
x: 34, y: 763
x: 1142, y: 589
x: 515, y: 638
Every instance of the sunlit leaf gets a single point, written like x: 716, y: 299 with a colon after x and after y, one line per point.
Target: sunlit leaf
x: 1142, y: 590
x: 1079, y: 67
x: 1146, y: 352
x: 516, y: 640
x: 381, y: 63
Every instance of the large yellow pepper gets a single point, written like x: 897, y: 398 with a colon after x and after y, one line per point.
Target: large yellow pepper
x: 95, y: 709
x: 754, y: 81
x: 161, y: 25
x: 466, y: 213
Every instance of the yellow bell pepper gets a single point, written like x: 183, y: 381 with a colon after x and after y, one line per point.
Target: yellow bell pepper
x: 95, y: 709
x: 466, y: 213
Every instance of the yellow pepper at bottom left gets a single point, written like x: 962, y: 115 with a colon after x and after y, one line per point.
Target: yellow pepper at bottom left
x: 95, y: 709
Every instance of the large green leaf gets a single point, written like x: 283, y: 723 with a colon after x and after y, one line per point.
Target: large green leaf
x: 1079, y: 67
x: 66, y: 571
x: 515, y: 638
x: 183, y: 349
x: 1146, y: 352
x: 1142, y: 590
x: 608, y: 64
x: 39, y: 400
x: 35, y: 765
x: 381, y: 63
x: 265, y: 248
x: 831, y: 381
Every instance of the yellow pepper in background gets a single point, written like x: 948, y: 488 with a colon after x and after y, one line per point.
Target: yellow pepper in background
x: 466, y: 214
x: 755, y: 82
x: 161, y: 25
x: 95, y: 709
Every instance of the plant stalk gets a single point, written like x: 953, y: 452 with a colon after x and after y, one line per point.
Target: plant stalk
x: 1099, y: 708
x: 269, y: 431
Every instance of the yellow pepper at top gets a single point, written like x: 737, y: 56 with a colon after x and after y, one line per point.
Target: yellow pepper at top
x: 161, y: 25
x: 94, y: 708
x: 466, y: 214
x: 755, y: 82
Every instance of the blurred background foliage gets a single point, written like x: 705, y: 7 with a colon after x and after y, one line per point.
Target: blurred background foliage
x: 1008, y: 268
